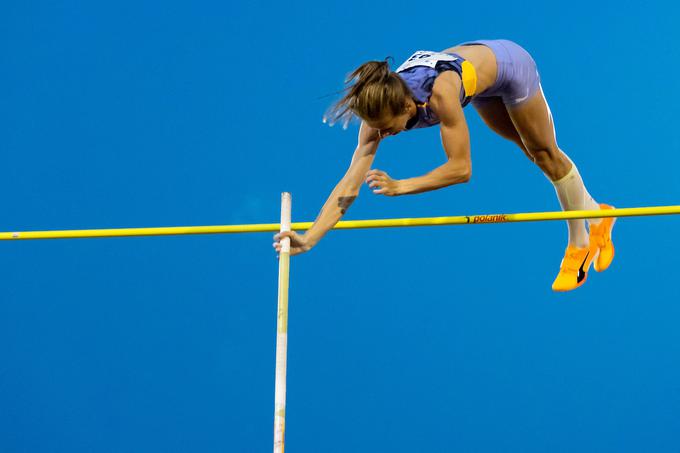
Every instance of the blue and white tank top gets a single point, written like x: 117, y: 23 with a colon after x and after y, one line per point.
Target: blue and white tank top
x: 421, y: 69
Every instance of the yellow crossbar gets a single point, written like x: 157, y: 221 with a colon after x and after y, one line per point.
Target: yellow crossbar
x: 344, y: 225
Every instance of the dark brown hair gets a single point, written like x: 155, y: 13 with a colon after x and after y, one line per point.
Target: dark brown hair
x: 371, y: 92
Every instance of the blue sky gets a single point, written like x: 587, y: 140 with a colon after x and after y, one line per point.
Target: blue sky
x: 139, y: 114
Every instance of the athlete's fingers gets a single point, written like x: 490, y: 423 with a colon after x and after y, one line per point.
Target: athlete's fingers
x: 278, y: 237
x: 287, y: 234
x: 293, y: 250
x: 380, y: 178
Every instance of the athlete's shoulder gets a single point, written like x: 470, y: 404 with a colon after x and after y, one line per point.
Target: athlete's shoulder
x: 446, y: 83
x: 445, y: 93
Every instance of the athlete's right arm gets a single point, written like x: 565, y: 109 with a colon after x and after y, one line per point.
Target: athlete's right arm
x: 342, y: 196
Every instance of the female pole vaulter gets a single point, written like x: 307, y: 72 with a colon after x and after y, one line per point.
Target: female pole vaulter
x: 499, y: 78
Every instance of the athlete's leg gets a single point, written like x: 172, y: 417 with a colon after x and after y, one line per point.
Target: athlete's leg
x: 495, y: 115
x: 534, y: 124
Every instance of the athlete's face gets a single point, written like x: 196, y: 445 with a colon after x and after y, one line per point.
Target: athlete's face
x: 393, y: 124
x: 390, y: 125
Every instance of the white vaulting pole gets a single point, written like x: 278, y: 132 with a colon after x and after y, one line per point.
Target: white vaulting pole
x: 282, y: 329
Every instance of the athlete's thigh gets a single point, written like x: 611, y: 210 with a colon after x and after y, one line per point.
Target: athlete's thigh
x: 534, y: 123
x: 495, y: 115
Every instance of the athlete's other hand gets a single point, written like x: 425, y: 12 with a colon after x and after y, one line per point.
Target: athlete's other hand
x: 298, y: 242
x: 381, y: 183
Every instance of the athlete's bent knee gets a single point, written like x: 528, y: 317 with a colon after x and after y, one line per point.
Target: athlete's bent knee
x: 547, y: 160
x: 542, y: 155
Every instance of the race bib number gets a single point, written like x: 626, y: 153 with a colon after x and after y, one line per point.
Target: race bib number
x: 425, y: 58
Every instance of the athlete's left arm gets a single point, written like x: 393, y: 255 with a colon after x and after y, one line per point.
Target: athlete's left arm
x: 455, y: 138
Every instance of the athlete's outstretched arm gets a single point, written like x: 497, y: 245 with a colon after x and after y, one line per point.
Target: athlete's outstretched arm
x: 343, y: 195
x: 455, y: 139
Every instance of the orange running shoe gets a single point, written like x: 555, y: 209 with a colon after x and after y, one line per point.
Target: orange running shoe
x: 574, y: 267
x: 601, y: 235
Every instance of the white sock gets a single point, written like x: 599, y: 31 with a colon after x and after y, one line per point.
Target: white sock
x: 573, y: 196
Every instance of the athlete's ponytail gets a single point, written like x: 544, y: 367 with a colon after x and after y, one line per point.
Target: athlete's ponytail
x: 372, y: 91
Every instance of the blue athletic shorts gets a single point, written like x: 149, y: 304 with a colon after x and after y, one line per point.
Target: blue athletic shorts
x: 517, y: 78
